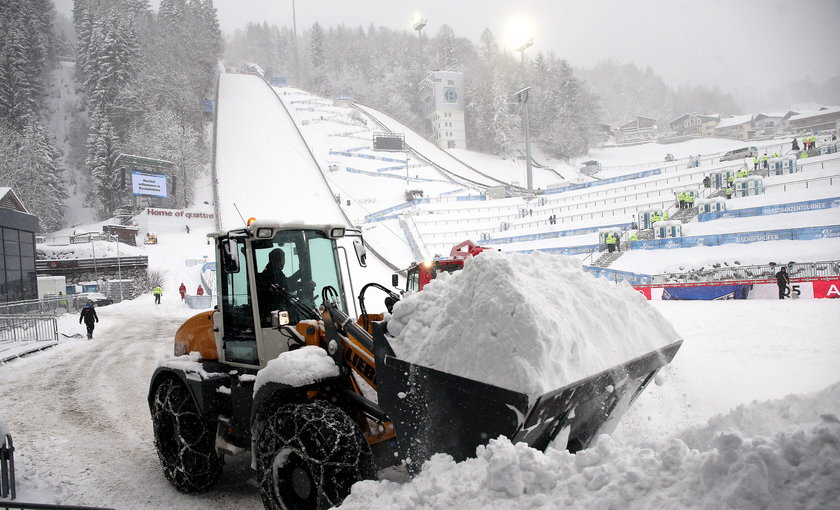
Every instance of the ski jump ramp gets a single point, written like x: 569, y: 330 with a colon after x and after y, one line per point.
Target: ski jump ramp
x: 263, y: 166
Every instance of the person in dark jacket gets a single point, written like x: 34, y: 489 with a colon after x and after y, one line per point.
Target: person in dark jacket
x: 89, y: 316
x: 783, y: 281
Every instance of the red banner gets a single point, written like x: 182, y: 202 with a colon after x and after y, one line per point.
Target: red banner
x: 827, y: 289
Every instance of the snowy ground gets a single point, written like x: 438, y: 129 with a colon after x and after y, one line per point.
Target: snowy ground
x: 88, y: 400
x: 697, y: 439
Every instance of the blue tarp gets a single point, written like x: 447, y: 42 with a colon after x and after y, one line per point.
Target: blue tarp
x: 790, y: 234
x: 808, y: 205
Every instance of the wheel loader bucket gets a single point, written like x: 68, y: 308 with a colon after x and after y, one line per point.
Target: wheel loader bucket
x: 435, y: 412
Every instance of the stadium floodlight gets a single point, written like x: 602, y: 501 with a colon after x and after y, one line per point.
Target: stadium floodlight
x: 419, y: 22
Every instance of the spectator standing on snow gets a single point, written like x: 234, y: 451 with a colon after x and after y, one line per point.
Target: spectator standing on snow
x: 182, y: 290
x: 795, y: 145
x: 783, y: 281
x: 157, y: 291
x: 188, y: 228
x: 200, y: 291
x: 89, y: 316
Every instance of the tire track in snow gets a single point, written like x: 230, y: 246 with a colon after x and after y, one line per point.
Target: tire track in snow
x: 80, y: 418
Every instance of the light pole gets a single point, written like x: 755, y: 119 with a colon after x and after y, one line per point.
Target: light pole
x: 294, y: 45
x: 523, y: 96
x: 418, y: 24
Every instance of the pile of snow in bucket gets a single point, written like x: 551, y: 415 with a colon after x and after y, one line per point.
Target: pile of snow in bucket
x: 527, y: 322
x: 717, y: 467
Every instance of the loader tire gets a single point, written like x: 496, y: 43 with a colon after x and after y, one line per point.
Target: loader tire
x: 308, y: 456
x: 184, y: 440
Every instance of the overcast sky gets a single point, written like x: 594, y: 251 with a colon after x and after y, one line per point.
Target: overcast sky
x: 734, y: 44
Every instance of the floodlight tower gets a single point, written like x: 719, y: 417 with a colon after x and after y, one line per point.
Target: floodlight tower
x: 523, y: 96
x: 418, y: 24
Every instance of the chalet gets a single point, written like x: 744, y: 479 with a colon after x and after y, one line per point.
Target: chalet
x: 738, y: 126
x: 768, y: 123
x: 642, y: 129
x: 693, y: 124
x: 823, y: 119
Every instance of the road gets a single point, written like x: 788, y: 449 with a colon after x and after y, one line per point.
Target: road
x: 80, y: 421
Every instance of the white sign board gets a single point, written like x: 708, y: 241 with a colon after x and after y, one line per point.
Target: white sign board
x: 148, y: 184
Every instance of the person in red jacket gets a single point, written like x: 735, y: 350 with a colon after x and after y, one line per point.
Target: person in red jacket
x: 200, y: 291
x: 182, y: 290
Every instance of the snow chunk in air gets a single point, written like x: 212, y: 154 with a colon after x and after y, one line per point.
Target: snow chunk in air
x: 298, y: 368
x: 527, y: 322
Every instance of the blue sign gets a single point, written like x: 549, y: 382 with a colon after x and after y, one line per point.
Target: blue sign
x: 277, y: 81
x: 602, y: 182
x: 207, y: 106
x: 707, y: 292
x: 808, y: 205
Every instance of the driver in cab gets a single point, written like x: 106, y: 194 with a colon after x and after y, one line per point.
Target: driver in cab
x: 272, y: 274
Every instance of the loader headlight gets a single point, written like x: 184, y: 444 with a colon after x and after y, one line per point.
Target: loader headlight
x: 265, y: 233
x: 279, y: 318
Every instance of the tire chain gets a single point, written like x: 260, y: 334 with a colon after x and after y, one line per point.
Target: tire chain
x: 195, y: 466
x: 326, y: 439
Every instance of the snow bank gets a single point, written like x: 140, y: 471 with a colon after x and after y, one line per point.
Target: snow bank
x: 297, y: 368
x: 796, y: 469
x: 528, y: 322
x: 101, y: 249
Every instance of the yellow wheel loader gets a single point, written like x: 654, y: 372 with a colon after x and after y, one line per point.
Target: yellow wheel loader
x: 279, y: 370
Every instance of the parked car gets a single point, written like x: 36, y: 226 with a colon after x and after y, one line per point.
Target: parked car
x: 99, y: 299
x: 743, y: 152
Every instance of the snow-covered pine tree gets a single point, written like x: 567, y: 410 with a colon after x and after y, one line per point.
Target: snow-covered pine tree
x: 44, y: 191
x: 106, y: 178
x: 317, y: 59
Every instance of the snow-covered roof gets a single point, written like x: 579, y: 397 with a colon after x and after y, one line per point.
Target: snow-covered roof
x: 736, y: 120
x: 770, y: 115
x: 9, y: 200
x: 694, y: 114
x: 824, y: 111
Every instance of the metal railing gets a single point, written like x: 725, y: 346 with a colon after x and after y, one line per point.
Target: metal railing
x: 7, y: 484
x: 56, y: 264
x: 7, y: 468
x: 48, y: 305
x: 19, y: 328
x: 822, y: 269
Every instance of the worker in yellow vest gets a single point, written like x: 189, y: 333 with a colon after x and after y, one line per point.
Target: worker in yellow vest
x: 755, y: 162
x: 689, y: 200
x: 610, y: 242
x: 803, y: 154
x: 634, y: 237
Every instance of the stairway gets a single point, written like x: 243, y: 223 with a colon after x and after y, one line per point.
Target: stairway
x: 608, y: 258
x: 645, y: 235
x: 685, y: 215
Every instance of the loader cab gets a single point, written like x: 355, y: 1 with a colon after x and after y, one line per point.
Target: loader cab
x: 300, y: 261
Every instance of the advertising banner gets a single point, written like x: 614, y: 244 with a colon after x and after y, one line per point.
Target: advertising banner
x: 153, y: 185
x: 758, y: 289
x: 808, y: 205
x: 790, y: 234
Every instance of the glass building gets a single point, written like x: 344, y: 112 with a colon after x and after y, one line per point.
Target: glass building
x: 17, y: 249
